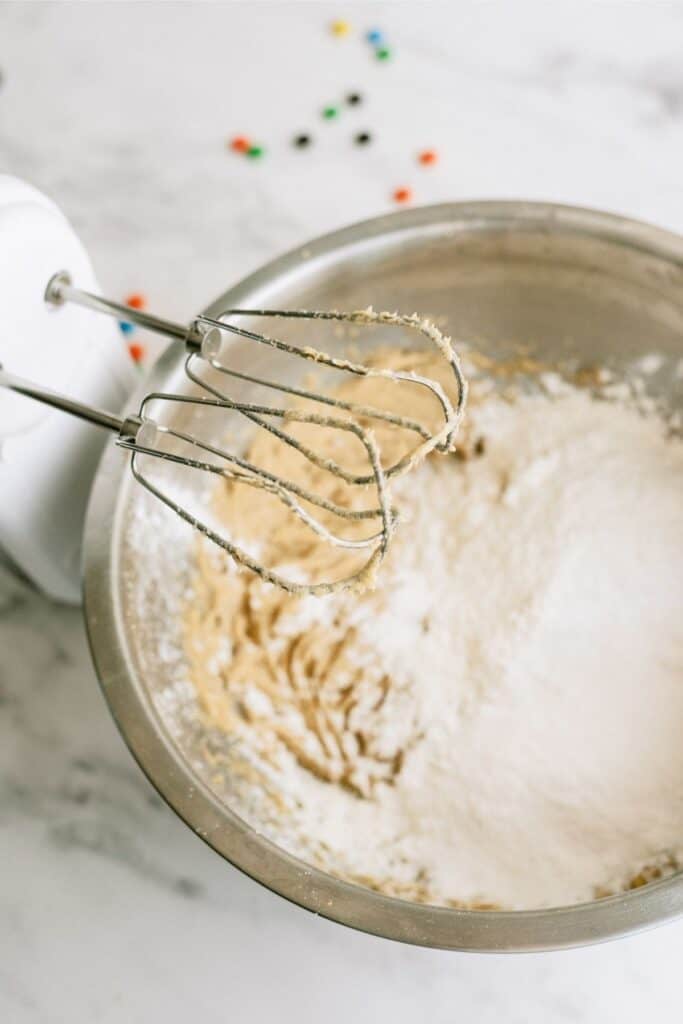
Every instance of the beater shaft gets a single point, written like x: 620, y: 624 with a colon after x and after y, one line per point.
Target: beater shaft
x: 60, y: 290
x: 98, y: 417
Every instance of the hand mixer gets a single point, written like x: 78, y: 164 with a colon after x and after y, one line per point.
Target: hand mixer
x: 207, y: 349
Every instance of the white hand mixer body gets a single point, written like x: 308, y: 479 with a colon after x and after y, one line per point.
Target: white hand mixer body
x: 42, y: 512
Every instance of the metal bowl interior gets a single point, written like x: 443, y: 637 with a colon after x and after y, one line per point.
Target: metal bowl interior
x: 566, y: 283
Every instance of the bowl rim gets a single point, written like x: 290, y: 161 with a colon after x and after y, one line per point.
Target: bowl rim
x: 138, y: 721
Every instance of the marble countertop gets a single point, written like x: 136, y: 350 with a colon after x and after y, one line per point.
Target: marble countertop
x: 110, y: 909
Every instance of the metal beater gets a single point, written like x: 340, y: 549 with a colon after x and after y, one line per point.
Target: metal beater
x: 143, y: 435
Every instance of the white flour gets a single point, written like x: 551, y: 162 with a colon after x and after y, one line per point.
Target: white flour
x: 530, y: 620
x: 550, y: 682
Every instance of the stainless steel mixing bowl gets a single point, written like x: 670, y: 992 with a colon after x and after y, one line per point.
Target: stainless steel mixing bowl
x: 565, y: 282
